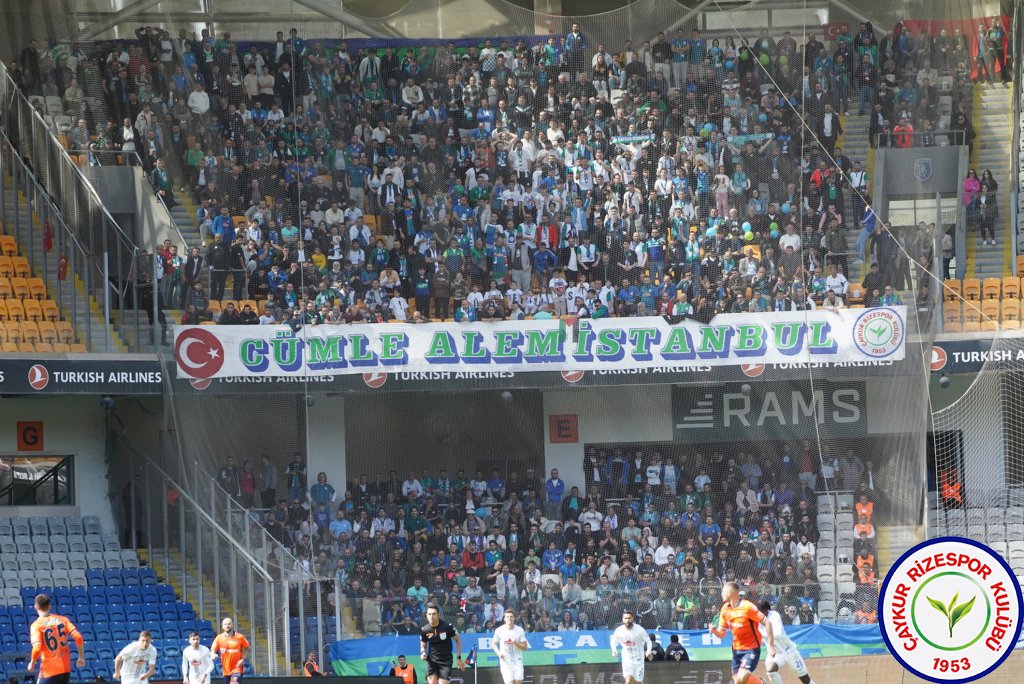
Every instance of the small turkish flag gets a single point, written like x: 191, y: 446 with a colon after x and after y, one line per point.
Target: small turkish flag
x: 62, y: 268
x: 47, y: 237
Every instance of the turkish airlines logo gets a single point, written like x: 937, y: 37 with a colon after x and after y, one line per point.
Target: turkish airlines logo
x: 38, y: 377
x: 752, y: 370
x: 199, y: 353
x: 939, y: 358
x: 573, y: 376
x: 375, y: 380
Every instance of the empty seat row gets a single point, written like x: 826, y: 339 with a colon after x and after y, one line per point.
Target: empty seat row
x: 43, y: 526
x: 58, y: 543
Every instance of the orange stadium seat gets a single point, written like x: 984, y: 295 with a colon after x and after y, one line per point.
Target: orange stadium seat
x: 33, y: 310
x: 76, y: 348
x: 4, y: 314
x: 991, y: 287
x: 50, y: 310
x: 60, y: 348
x: 36, y: 288
x: 6, y: 292
x: 20, y: 287
x: 43, y: 348
x: 1010, y: 310
x: 1011, y: 287
x: 6, y: 266
x: 972, y: 288
x: 15, y: 310
x: 26, y: 348
x: 8, y: 245
x: 65, y: 331
x: 1020, y: 266
x: 29, y: 331
x: 48, y: 332
x: 951, y: 289
x: 21, y: 267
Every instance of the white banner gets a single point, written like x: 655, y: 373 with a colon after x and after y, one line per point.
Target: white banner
x: 845, y: 336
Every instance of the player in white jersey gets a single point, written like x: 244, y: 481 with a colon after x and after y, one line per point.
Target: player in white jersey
x: 635, y: 645
x: 196, y: 662
x: 786, y: 652
x: 136, y: 662
x: 509, y: 642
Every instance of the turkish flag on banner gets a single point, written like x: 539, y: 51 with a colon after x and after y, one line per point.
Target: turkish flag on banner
x: 47, y: 237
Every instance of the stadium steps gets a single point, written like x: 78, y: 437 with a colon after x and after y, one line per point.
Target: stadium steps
x: 171, y: 568
x: 854, y: 143
x: 993, y: 126
x: 86, y: 307
x: 184, y: 216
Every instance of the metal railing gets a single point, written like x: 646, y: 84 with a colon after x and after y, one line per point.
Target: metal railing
x: 51, y: 173
x: 219, y: 570
x: 62, y: 261
x: 941, y: 138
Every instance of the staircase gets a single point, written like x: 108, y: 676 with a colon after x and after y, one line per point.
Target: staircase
x: 993, y: 127
x: 181, y: 574
x: 184, y: 216
x: 85, y: 305
x: 854, y: 143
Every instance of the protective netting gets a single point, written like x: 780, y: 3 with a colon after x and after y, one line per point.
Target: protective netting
x: 738, y: 186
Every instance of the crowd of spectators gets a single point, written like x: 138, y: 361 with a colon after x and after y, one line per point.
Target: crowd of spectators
x: 347, y: 185
x: 647, y: 532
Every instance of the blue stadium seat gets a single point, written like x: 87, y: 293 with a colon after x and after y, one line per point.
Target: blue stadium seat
x: 166, y: 593
x: 172, y: 651
x: 132, y: 595
x: 133, y: 614
x: 186, y: 612
x: 135, y: 626
x: 102, y: 633
x: 150, y: 594
x: 169, y: 670
x: 95, y: 578
x: 147, y: 576
x: 80, y: 595
x: 130, y: 577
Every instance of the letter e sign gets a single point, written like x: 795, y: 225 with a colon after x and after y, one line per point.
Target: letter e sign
x: 564, y: 429
x: 30, y: 435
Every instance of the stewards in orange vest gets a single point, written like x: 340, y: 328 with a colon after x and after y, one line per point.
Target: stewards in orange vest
x: 951, y: 489
x: 310, y: 668
x: 404, y: 670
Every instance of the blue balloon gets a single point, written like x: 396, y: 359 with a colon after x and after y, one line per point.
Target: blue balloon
x: 729, y: 64
x: 775, y: 235
x: 785, y: 207
x: 709, y: 127
x: 711, y: 232
x: 746, y: 226
x: 763, y: 118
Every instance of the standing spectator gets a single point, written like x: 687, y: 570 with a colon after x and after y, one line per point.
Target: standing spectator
x: 247, y: 484
x: 554, y: 489
x: 296, y: 474
x: 267, y: 481
x: 230, y: 479
x: 322, y: 492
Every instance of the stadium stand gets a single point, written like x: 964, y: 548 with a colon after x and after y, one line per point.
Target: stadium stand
x: 98, y: 585
x: 291, y: 172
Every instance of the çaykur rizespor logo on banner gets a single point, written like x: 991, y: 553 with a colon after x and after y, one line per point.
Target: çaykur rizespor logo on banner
x: 949, y: 610
x: 878, y: 332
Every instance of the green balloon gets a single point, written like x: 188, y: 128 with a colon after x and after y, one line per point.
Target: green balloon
x: 773, y: 226
x: 748, y: 236
x: 783, y: 60
x: 764, y: 59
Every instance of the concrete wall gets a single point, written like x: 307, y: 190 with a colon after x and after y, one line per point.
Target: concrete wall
x: 640, y: 413
x: 72, y: 426
x: 126, y: 190
x: 325, y: 445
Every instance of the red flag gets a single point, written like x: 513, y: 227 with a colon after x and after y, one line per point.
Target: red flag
x: 47, y: 237
x: 62, y: 268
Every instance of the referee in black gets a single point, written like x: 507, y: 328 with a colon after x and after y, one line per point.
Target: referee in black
x: 436, y: 647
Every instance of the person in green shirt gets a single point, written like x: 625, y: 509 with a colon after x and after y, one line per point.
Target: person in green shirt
x: 686, y: 607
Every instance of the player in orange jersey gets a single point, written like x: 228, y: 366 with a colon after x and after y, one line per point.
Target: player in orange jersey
x: 742, y: 617
x: 231, y: 647
x: 50, y: 634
